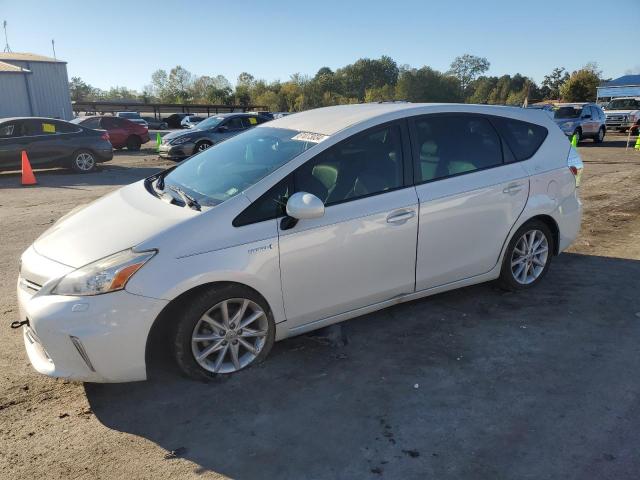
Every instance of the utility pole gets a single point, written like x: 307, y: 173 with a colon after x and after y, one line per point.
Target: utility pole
x: 7, y: 48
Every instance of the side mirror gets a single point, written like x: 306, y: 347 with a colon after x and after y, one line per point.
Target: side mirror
x: 303, y: 205
x: 223, y: 129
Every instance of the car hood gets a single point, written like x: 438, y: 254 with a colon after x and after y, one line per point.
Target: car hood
x: 113, y: 223
x: 174, y: 135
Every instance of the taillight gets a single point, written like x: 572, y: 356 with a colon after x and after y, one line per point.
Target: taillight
x: 105, y: 136
x: 574, y: 162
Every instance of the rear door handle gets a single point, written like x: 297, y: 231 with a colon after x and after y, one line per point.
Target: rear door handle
x: 401, y: 217
x: 513, y: 188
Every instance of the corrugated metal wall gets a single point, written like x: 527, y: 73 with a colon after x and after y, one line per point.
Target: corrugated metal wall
x: 49, y: 87
x: 13, y: 96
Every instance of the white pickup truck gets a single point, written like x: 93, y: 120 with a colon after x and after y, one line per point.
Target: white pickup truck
x: 623, y: 114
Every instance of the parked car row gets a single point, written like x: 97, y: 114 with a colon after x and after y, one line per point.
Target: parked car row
x: 52, y: 143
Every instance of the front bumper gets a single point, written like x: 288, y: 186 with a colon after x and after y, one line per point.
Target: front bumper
x: 99, y: 338
x: 176, y: 152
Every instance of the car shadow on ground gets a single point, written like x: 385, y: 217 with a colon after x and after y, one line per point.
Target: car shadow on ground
x: 474, y: 383
x: 106, y: 175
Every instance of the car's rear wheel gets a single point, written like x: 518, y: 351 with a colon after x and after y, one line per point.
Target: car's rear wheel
x: 83, y: 161
x: 134, y: 143
x: 599, y: 138
x: 527, y: 257
x: 201, y: 146
x: 222, y: 331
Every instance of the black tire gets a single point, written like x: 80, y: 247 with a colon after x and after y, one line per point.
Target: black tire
x: 599, y: 138
x: 133, y: 143
x: 83, y: 161
x: 201, y: 146
x: 507, y: 278
x: 191, y: 315
x: 578, y: 132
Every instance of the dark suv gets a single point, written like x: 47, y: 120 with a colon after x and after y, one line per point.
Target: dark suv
x: 586, y: 120
x: 183, y: 144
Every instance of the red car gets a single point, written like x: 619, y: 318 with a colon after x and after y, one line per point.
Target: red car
x: 122, y: 132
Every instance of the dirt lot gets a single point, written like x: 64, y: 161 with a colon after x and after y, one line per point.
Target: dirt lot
x: 469, y: 384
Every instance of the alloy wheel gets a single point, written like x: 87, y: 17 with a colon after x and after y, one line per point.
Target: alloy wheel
x: 85, y: 161
x: 229, y: 336
x: 203, y: 146
x: 529, y: 257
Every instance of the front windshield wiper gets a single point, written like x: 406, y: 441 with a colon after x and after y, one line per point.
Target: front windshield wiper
x: 160, y: 180
x: 188, y: 200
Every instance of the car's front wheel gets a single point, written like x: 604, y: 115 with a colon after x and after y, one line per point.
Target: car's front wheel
x: 202, y: 146
x: 223, y: 330
x: 527, y: 257
x: 599, y: 138
x: 83, y: 161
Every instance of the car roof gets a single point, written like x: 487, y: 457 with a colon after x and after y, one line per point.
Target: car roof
x: 331, y: 120
x: 11, y: 119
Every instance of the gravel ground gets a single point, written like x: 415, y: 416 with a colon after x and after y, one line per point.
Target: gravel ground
x: 474, y: 384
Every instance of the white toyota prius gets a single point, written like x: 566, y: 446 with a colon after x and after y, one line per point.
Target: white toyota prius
x: 294, y: 225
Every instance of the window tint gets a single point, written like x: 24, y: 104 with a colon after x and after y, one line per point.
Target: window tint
x: 362, y: 165
x: 92, y: 123
x: 12, y: 129
x: 41, y: 127
x: 64, y: 127
x: 108, y: 122
x: 523, y: 138
x: 249, y: 122
x: 234, y: 123
x: 270, y: 205
x: 451, y: 145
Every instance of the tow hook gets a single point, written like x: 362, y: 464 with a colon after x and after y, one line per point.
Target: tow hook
x: 18, y: 324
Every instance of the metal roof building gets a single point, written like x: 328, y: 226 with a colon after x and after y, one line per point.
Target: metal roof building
x: 33, y: 85
x: 626, y: 86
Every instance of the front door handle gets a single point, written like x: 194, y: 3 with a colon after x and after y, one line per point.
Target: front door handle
x: 513, y: 188
x: 401, y: 217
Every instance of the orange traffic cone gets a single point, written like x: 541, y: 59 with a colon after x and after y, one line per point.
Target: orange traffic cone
x: 28, y: 178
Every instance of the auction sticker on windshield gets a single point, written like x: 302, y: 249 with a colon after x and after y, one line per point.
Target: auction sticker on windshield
x: 310, y: 137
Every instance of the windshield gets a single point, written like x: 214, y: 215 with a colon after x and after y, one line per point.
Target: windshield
x: 624, y: 104
x: 568, y: 112
x: 209, y: 123
x: 128, y: 115
x: 226, y: 169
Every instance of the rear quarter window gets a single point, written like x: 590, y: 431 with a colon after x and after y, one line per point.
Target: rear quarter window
x: 523, y: 138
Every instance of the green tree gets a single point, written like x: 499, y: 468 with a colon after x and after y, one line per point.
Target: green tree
x: 582, y: 85
x: 427, y: 85
x: 467, y: 68
x: 81, y: 91
x: 551, y: 84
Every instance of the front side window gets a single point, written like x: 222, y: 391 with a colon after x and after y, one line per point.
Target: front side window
x: 234, y: 123
x: 363, y: 165
x: 451, y: 145
x: 232, y: 166
x: 12, y: 129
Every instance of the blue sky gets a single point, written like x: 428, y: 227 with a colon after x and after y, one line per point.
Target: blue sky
x: 118, y: 42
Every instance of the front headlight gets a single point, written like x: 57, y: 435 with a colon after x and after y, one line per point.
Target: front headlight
x: 105, y: 275
x: 567, y: 125
x: 179, y: 140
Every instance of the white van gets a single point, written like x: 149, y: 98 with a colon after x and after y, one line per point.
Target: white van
x: 297, y: 224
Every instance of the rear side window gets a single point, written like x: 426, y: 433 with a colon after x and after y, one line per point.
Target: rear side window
x: 92, y: 123
x: 523, y: 138
x: 449, y: 145
x: 64, y: 127
x: 250, y: 122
